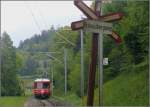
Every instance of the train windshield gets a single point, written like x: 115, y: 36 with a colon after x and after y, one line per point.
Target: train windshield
x: 45, y: 85
x: 41, y: 85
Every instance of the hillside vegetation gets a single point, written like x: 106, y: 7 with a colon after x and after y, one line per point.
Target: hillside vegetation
x: 128, y: 89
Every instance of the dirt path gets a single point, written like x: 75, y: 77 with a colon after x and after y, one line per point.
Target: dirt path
x: 32, y: 102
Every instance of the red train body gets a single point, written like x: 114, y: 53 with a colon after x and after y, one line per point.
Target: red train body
x: 41, y: 88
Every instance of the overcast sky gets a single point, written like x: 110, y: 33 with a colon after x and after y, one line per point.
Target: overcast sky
x: 18, y: 18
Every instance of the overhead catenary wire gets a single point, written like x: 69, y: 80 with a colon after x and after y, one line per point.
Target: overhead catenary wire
x: 60, y: 35
x: 64, y: 38
x: 42, y: 52
x: 32, y: 14
x: 40, y: 12
x: 42, y: 17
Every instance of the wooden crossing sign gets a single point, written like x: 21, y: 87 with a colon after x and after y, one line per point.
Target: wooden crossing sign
x: 77, y: 25
x: 116, y: 37
x: 92, y: 15
x: 106, y: 18
x: 85, y: 9
x: 80, y: 25
x: 97, y: 26
x: 111, y: 17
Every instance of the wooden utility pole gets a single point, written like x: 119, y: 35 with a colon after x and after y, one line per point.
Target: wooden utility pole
x: 92, y: 71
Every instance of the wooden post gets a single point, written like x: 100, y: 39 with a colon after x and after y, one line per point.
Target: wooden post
x: 92, y: 71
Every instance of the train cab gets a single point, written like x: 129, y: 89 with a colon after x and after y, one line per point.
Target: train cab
x: 41, y: 88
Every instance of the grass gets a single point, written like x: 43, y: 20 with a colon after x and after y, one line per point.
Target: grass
x: 70, y: 98
x: 13, y: 101
x: 128, y: 89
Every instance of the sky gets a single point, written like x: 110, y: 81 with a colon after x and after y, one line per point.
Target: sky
x: 20, y: 19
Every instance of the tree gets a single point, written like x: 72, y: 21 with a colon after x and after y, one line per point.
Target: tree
x: 10, y: 82
x: 136, y: 34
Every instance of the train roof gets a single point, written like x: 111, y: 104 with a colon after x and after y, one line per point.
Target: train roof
x: 42, y: 80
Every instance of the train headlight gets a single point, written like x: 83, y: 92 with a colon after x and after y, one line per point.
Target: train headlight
x: 42, y: 91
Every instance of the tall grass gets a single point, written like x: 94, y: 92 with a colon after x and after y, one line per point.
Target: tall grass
x: 128, y: 89
x: 13, y: 101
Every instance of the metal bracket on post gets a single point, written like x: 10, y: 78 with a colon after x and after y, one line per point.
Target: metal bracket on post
x: 0, y: 66
x: 65, y: 64
x: 82, y: 64
x: 100, y: 56
x: 100, y: 65
x: 52, y: 77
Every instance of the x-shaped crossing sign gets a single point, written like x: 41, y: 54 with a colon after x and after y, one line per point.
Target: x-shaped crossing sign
x: 91, y: 15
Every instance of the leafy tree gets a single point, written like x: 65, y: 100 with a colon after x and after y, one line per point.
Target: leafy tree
x: 136, y: 34
x: 10, y: 82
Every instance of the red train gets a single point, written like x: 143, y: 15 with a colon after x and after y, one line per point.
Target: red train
x: 42, y: 88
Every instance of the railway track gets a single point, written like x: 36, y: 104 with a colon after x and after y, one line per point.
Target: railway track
x: 32, y: 102
x: 46, y: 103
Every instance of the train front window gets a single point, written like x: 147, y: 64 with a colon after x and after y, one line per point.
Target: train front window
x: 45, y: 85
x: 39, y: 85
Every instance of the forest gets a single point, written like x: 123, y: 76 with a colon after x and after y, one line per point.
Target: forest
x: 125, y: 78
